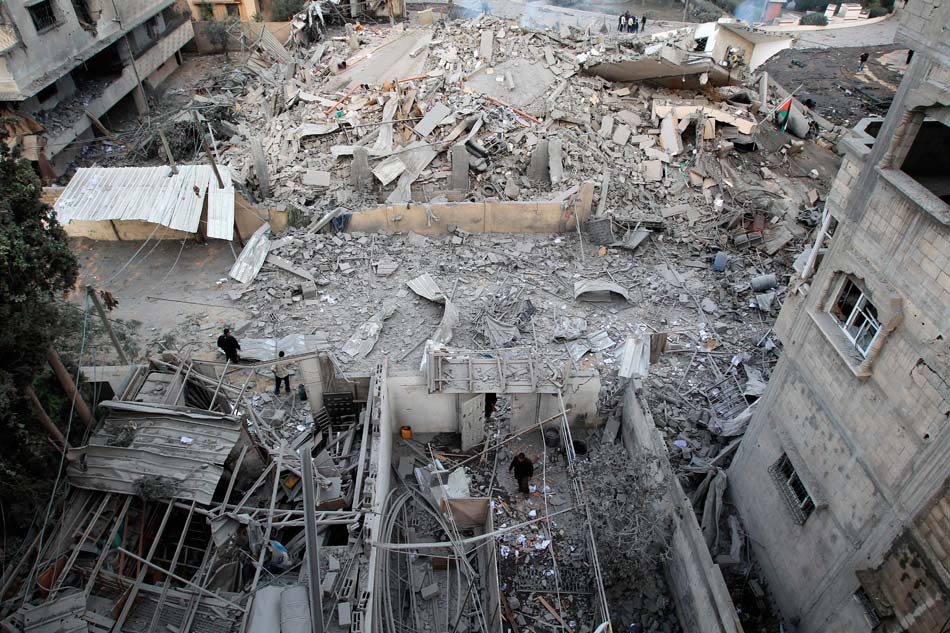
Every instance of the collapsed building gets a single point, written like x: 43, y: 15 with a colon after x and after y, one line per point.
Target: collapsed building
x: 64, y: 66
x: 476, y: 244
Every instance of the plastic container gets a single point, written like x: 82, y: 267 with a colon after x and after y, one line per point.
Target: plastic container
x: 405, y: 432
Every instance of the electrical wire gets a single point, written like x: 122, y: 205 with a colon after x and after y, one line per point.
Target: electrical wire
x: 33, y: 576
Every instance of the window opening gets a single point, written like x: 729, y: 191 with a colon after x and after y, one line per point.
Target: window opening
x: 856, y: 316
x: 793, y: 490
x: 42, y: 15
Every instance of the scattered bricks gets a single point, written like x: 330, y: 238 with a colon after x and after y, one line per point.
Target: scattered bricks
x: 326, y: 586
x: 344, y: 614
x: 309, y: 289
x: 621, y: 135
x: 652, y: 170
x: 429, y: 591
x: 607, y: 126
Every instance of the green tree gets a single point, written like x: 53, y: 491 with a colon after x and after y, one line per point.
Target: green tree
x: 284, y: 10
x: 36, y: 268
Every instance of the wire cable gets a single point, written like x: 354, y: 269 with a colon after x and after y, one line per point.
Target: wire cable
x: 33, y: 576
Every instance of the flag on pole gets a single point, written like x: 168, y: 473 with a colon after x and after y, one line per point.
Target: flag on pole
x: 781, y: 115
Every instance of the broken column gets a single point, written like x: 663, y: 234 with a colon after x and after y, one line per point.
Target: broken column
x: 555, y: 161
x: 459, y: 180
x: 260, y: 167
x: 360, y: 174
x: 539, y: 169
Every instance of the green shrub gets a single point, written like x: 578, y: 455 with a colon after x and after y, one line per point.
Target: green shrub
x: 811, y: 5
x: 875, y: 10
x: 814, y: 19
x: 284, y: 10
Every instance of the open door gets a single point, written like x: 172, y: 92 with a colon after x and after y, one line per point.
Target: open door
x: 472, y: 421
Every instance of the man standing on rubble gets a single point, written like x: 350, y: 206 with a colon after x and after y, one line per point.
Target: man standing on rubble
x: 636, y: 25
x: 229, y: 345
x: 862, y: 60
x: 523, y: 471
x: 620, y: 20
x: 281, y: 374
x: 643, y: 23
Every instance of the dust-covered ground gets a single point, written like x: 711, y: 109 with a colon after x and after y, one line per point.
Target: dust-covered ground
x: 830, y: 77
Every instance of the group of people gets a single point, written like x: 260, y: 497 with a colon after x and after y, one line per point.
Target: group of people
x: 629, y: 23
x: 230, y: 346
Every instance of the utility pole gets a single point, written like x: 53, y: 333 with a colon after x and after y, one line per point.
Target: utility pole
x: 168, y: 151
x: 207, y: 145
x: 85, y: 414
x: 105, y: 322
x: 685, y: 9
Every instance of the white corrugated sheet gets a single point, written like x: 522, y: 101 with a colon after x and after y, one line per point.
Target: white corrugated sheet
x: 151, y: 194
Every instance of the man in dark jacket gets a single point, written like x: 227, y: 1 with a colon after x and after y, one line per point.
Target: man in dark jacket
x: 229, y: 345
x: 523, y: 470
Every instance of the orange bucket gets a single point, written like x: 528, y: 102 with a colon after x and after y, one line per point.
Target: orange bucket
x: 405, y: 432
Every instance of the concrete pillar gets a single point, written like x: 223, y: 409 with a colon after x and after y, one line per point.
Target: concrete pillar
x: 141, y: 102
x: 361, y: 177
x: 555, y: 161
x: 538, y: 169
x: 460, y: 181
x: 764, y: 90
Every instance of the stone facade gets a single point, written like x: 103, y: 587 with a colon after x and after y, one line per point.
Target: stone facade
x: 866, y: 431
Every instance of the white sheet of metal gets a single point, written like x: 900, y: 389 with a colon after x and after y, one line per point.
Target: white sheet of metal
x: 151, y: 194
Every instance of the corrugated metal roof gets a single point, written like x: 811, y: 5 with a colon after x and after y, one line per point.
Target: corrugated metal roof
x: 249, y: 262
x: 184, y: 447
x: 151, y: 194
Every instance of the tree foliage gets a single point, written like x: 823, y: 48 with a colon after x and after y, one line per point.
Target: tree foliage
x: 36, y: 268
x: 814, y: 19
x: 286, y: 9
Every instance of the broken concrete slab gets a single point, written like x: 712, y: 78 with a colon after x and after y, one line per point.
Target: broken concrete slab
x: 460, y: 159
x: 314, y: 178
x: 432, y: 118
x: 652, y: 170
x: 539, y: 171
x: 670, y: 138
x: 621, y: 135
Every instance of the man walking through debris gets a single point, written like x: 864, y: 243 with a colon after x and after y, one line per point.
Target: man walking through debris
x: 643, y: 23
x: 281, y: 373
x: 523, y: 469
x: 863, y: 60
x: 620, y: 20
x: 229, y: 345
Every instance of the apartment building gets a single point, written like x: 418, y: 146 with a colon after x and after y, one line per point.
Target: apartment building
x: 64, y: 64
x: 842, y: 478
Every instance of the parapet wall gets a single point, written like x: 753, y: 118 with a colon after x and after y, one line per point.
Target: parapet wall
x: 478, y: 217
x: 702, y: 600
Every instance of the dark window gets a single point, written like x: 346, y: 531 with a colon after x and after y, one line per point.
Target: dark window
x: 47, y: 93
x: 856, y: 316
x: 234, y: 11
x: 43, y: 15
x: 928, y: 161
x: 83, y: 12
x: 793, y: 490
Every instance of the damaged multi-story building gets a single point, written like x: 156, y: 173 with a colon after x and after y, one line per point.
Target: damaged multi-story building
x: 65, y: 65
x: 842, y: 478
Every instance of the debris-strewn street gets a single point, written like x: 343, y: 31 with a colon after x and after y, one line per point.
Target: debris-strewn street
x: 452, y: 318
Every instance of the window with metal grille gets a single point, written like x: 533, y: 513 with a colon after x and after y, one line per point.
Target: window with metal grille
x: 43, y: 15
x: 83, y: 12
x: 793, y: 490
x: 856, y: 316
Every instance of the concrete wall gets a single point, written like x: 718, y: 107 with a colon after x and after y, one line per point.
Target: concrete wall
x: 478, y: 217
x: 412, y: 404
x: 46, y: 56
x: 703, y: 604
x: 873, y: 442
